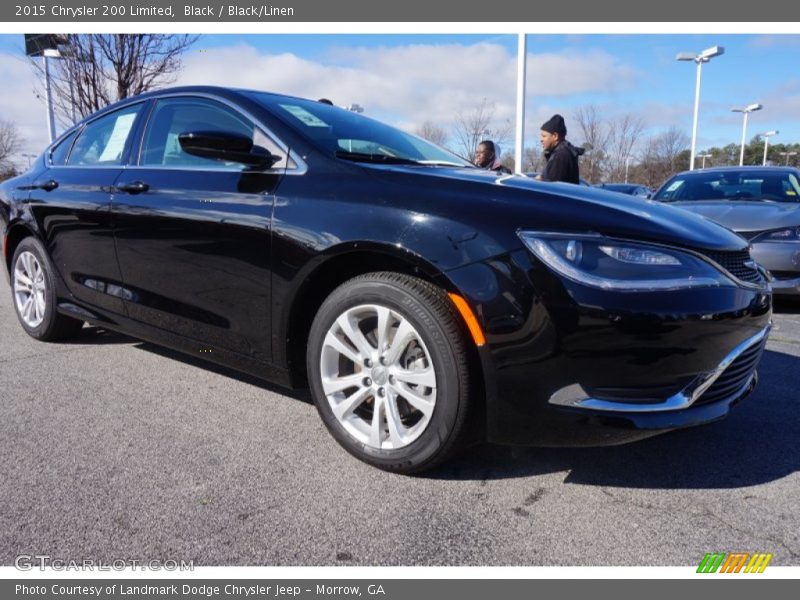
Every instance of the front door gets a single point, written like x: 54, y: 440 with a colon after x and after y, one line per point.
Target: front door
x: 193, y: 234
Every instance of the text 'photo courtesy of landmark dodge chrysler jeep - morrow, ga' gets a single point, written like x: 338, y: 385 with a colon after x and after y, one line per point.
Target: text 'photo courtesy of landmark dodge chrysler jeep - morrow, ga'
x: 426, y: 303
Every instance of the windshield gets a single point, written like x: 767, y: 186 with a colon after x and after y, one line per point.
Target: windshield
x: 350, y: 136
x: 780, y: 186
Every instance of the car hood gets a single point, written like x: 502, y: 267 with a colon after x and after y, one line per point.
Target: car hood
x: 747, y: 216
x: 525, y: 203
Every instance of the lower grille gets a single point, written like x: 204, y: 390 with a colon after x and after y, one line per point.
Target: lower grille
x: 736, y: 376
x: 736, y: 263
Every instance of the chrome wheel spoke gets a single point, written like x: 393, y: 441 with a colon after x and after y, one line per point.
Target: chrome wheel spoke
x: 38, y: 306
x: 354, y: 336
x: 397, y: 430
x: 421, y: 403
x: 331, y: 341
x: 384, y: 323
x: 21, y: 279
x: 339, y: 384
x: 352, y: 402
x: 402, y: 337
x: 376, y: 427
x: 425, y: 377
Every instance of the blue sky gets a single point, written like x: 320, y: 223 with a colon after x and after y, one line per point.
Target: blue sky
x: 406, y: 79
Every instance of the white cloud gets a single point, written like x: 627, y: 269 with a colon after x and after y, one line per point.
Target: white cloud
x: 410, y: 84
x: 20, y: 103
x: 403, y: 85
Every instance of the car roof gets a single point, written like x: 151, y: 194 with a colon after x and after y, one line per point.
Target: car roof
x: 776, y: 169
x: 225, y: 92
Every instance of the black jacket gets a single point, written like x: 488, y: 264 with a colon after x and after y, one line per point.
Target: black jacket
x: 562, y: 163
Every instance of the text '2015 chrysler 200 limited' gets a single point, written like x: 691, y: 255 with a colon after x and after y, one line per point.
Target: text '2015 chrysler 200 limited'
x: 425, y: 302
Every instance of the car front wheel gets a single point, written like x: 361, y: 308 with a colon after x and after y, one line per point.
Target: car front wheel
x: 388, y: 371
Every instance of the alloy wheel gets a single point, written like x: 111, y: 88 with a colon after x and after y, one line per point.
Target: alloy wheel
x: 378, y: 376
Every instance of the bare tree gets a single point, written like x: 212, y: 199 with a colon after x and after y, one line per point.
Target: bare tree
x: 476, y: 125
x: 624, y: 134
x: 532, y: 160
x: 10, y: 143
x: 595, y: 135
x: 98, y: 69
x: 432, y: 132
x: 662, y: 156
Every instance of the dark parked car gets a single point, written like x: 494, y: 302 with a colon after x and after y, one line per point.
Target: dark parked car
x: 762, y: 204
x: 632, y: 189
x: 533, y: 174
x: 426, y: 303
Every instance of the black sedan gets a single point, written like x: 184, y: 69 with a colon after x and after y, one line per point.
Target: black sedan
x: 425, y: 302
x: 632, y: 189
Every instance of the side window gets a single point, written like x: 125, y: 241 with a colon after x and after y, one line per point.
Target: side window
x: 102, y: 141
x: 173, y: 116
x: 58, y: 155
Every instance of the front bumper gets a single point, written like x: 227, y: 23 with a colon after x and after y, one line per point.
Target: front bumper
x: 782, y: 260
x: 567, y: 365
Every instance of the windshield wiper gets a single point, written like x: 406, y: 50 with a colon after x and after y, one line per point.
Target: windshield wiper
x: 375, y: 158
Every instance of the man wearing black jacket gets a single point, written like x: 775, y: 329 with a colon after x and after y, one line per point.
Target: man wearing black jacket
x: 561, y: 156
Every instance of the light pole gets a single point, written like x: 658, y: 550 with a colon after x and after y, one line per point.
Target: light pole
x: 705, y: 56
x: 522, y: 62
x: 29, y: 157
x: 704, y: 157
x: 627, y: 165
x: 745, y: 111
x: 787, y: 155
x: 766, y: 135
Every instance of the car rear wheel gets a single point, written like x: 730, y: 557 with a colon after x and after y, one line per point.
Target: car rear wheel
x: 33, y: 289
x: 387, y: 367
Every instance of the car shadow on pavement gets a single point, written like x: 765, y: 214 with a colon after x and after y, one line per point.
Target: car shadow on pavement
x: 300, y: 394
x: 97, y: 336
x: 756, y: 443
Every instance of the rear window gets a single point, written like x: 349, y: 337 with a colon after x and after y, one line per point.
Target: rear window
x: 781, y: 186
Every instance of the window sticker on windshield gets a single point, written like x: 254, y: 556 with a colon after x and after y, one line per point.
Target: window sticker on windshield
x: 675, y: 185
x: 303, y: 115
x: 116, y: 142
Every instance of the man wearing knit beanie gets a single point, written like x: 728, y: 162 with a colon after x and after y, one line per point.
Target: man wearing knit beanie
x: 561, y: 156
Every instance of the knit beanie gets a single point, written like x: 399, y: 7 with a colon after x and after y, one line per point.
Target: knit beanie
x: 556, y: 125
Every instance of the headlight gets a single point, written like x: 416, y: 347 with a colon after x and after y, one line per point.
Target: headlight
x: 625, y: 266
x: 791, y: 234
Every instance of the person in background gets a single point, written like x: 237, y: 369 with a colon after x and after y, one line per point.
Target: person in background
x: 487, y: 156
x: 325, y: 101
x: 561, y: 156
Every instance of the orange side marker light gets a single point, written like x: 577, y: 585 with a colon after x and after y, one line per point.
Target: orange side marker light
x: 469, y: 318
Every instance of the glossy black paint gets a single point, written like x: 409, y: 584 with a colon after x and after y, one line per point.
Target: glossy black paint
x: 237, y: 262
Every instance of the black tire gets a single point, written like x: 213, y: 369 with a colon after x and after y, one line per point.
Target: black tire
x: 437, y: 323
x: 54, y: 326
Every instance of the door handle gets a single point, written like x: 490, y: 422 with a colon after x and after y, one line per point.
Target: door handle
x: 47, y: 186
x: 134, y: 187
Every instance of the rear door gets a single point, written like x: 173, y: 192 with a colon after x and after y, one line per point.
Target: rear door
x: 71, y: 202
x: 193, y: 234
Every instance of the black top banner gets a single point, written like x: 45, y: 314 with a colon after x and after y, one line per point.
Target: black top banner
x: 441, y: 11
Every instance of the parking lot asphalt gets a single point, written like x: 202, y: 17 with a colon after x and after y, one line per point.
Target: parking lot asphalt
x: 111, y: 448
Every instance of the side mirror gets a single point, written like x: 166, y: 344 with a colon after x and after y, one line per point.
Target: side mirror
x: 227, y: 146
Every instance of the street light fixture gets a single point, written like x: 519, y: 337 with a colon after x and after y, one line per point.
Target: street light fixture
x: 705, y: 56
x: 745, y: 111
x: 704, y: 157
x: 787, y: 155
x: 766, y: 135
